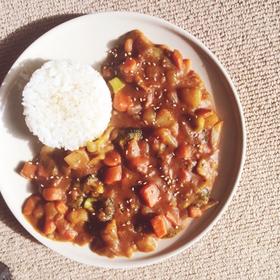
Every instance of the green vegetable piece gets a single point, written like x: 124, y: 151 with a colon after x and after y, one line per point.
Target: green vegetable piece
x: 116, y: 84
x: 88, y: 204
x: 129, y: 134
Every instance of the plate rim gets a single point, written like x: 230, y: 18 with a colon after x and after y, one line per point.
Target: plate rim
x: 214, y: 59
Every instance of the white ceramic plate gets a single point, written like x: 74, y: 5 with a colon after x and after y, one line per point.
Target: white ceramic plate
x: 87, y: 39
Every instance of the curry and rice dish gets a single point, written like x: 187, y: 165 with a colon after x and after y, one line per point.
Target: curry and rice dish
x: 149, y: 173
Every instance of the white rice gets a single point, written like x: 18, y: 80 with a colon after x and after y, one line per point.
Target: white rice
x: 66, y: 104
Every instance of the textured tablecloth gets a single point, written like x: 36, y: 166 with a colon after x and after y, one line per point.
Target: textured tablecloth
x: 245, y: 36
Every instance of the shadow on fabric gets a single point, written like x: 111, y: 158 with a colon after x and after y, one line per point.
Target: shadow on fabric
x: 16, y: 42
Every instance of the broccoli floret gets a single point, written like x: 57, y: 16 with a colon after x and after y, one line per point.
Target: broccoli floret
x: 128, y: 134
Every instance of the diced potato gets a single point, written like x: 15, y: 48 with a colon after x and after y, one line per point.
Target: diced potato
x: 211, y: 120
x: 77, y: 159
x: 166, y: 137
x: 92, y: 146
x: 191, y: 97
x: 164, y: 118
x: 77, y: 216
x: 116, y: 84
x: 216, y: 134
x: 146, y: 243
x: 203, y: 168
x: 149, y: 116
x: 199, y: 124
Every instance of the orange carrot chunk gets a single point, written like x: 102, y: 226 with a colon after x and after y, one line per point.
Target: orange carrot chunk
x: 52, y: 194
x: 150, y: 194
x: 122, y: 101
x: 28, y: 170
x: 173, y: 216
x: 113, y: 174
x: 49, y: 227
x: 159, y: 225
x: 112, y: 158
x: 30, y: 204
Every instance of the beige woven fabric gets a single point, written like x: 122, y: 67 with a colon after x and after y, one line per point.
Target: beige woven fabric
x: 245, y: 36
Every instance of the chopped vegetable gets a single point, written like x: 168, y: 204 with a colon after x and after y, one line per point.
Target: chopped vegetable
x: 30, y: 204
x: 194, y: 212
x: 173, y: 216
x: 128, y: 134
x: 211, y: 120
x: 203, y: 112
x: 146, y: 243
x: 122, y: 102
x: 50, y: 211
x: 52, y: 194
x: 112, y: 158
x: 177, y: 59
x: 203, y: 168
x: 77, y: 159
x: 65, y: 229
x: 184, y: 151
x: 93, y: 185
x: 140, y: 163
x: 150, y: 194
x: 49, y: 227
x: 128, y: 67
x: 116, y: 84
x: 159, y: 225
x: 61, y: 207
x: 166, y: 137
x: 113, y: 174
x: 149, y: 116
x: 89, y: 202
x: 77, y: 216
x: 110, y: 235
x: 199, y: 124
x: 216, y: 134
x: 106, y: 210
x: 128, y: 45
x: 28, y: 170
x: 191, y: 97
x: 164, y: 118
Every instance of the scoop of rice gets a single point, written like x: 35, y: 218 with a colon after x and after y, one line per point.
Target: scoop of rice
x: 66, y: 104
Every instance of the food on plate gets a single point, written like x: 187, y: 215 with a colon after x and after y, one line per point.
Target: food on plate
x: 66, y: 104
x: 149, y: 173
